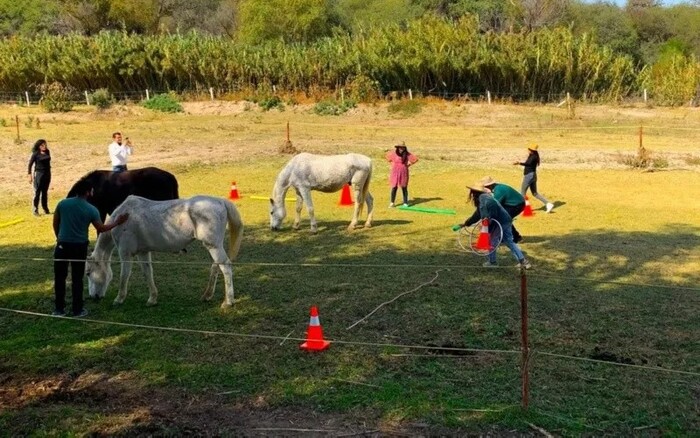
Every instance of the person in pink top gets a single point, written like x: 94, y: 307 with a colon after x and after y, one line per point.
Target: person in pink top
x: 400, y: 161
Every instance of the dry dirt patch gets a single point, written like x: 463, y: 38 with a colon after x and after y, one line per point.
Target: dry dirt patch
x: 124, y: 407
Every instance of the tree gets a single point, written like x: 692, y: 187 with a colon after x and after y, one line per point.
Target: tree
x: 27, y: 17
x: 534, y: 14
x: 611, y: 26
x: 361, y: 14
x: 87, y: 16
x: 287, y: 20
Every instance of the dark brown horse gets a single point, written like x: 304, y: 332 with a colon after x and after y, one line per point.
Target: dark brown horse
x: 111, y: 189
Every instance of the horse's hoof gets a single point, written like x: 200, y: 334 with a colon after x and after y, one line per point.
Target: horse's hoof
x: 117, y: 303
x: 151, y: 303
x: 368, y: 225
x: 226, y: 305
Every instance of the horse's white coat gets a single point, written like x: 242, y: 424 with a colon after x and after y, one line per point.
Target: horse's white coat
x: 325, y: 173
x: 166, y: 226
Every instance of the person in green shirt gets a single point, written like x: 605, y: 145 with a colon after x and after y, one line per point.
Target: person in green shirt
x: 71, y: 222
x: 511, y: 200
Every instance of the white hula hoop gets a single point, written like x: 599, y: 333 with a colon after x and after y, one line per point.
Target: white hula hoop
x: 468, y: 238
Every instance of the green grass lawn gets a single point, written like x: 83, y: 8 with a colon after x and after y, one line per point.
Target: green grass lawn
x: 615, y: 278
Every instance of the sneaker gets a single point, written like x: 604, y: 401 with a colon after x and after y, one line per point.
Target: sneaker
x: 489, y: 265
x: 58, y: 313
x: 391, y: 205
x: 83, y: 313
x: 35, y: 212
x: 47, y: 211
x: 518, y: 239
x: 524, y: 264
x: 405, y: 205
x: 549, y: 208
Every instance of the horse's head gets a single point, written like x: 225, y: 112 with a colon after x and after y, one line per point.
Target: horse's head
x: 99, y: 274
x: 277, y: 214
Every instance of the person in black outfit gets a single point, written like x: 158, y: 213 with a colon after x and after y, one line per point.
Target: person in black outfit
x: 41, y: 160
x: 530, y: 175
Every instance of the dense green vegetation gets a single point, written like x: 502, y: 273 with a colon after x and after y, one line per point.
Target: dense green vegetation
x: 519, y: 49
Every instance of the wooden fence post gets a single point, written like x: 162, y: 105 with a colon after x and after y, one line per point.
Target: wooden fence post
x: 211, y: 93
x: 87, y: 98
x: 26, y: 94
x: 410, y: 94
x: 645, y: 95
x: 488, y: 96
x: 148, y: 96
x: 17, y: 123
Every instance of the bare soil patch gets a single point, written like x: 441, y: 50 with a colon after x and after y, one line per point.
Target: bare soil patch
x: 121, y: 406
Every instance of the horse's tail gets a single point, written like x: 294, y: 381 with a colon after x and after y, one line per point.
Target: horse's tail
x: 235, y: 229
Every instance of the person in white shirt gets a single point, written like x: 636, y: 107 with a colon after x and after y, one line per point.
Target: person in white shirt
x: 119, y: 152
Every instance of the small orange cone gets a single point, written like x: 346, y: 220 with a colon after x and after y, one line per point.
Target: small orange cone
x: 233, y: 194
x: 346, y: 197
x: 484, y: 242
x: 528, y: 209
x: 314, y: 335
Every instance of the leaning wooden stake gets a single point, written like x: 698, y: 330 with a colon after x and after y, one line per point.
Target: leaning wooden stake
x: 525, y: 346
x: 287, y: 147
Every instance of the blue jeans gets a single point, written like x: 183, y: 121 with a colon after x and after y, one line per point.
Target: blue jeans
x: 120, y: 168
x: 508, y: 240
x: 530, y: 182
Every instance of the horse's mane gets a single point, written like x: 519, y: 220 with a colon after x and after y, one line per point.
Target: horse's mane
x: 282, y: 181
x: 87, y: 177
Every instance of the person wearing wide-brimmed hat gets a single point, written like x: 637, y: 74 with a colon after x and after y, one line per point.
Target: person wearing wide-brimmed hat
x: 400, y: 160
x: 489, y: 208
x: 511, y: 200
x: 530, y: 178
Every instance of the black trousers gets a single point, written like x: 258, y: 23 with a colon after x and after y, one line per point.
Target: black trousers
x: 78, y: 253
x: 512, y: 212
x: 42, y: 180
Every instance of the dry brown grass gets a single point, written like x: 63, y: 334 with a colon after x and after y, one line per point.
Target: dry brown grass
x: 221, y: 131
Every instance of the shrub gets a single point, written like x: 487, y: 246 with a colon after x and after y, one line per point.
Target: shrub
x: 102, y: 98
x: 659, y: 163
x: 691, y: 160
x: 30, y: 122
x: 166, y: 103
x: 363, y: 89
x: 267, y: 103
x: 331, y: 107
x: 57, y: 97
x: 3, y: 122
x: 405, y: 108
x: 641, y: 160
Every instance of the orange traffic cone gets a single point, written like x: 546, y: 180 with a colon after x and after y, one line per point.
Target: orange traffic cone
x: 233, y: 194
x: 314, y: 335
x: 484, y: 242
x: 346, y: 197
x: 528, y: 209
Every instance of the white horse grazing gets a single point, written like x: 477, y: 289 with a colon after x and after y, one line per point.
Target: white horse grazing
x: 166, y: 226
x: 325, y: 173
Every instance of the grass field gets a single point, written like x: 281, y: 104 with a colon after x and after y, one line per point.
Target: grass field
x: 615, y: 279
